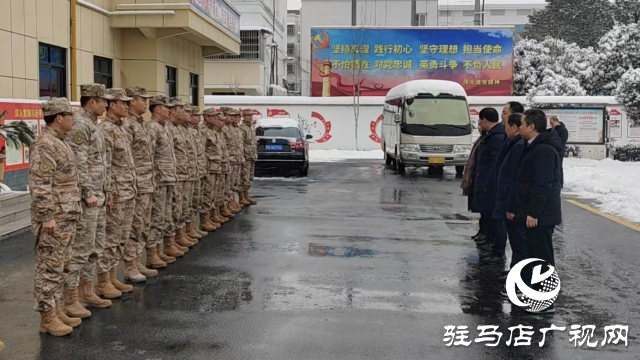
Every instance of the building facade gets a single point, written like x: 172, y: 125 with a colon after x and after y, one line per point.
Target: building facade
x: 260, y: 62
x: 319, y: 13
x: 120, y: 43
x: 294, y: 67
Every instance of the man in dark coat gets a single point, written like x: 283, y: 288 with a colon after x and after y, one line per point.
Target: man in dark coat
x: 509, y: 159
x: 559, y: 128
x: 538, y: 188
x: 483, y: 182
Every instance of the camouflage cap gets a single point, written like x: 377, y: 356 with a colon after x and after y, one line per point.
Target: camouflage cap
x: 56, y: 106
x: 195, y: 110
x: 95, y: 90
x: 160, y: 100
x: 247, y: 111
x: 232, y: 112
x: 210, y: 112
x: 176, y: 101
x: 137, y: 91
x: 118, y: 94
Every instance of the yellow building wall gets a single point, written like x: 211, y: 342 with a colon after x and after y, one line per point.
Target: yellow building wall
x: 136, y: 60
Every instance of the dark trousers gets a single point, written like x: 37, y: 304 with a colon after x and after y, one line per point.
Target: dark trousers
x: 518, y: 241
x: 485, y: 223
x: 539, y: 246
x: 499, y: 234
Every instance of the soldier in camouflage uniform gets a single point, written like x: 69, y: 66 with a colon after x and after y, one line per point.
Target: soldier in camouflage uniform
x: 121, y: 192
x: 190, y: 236
x: 214, y: 142
x: 225, y: 176
x: 236, y: 157
x: 164, y: 169
x: 87, y: 143
x: 250, y: 156
x: 55, y: 210
x: 180, y: 150
x: 141, y: 152
x: 199, y: 206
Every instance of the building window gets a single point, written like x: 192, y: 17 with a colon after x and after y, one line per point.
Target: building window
x: 290, y: 49
x: 422, y: 19
x: 468, y: 12
x: 251, y: 48
x: 291, y: 69
x: 291, y: 30
x: 102, y: 71
x: 193, y: 89
x: 497, y: 12
x: 172, y: 80
x: 523, y: 12
x: 53, y: 72
x: 443, y: 13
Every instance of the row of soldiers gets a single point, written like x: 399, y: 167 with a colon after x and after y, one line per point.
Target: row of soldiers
x: 104, y: 192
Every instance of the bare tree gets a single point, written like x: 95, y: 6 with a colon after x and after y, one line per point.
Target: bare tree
x: 233, y: 83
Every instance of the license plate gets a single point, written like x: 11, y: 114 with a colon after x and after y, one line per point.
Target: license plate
x: 436, y: 160
x: 273, y: 147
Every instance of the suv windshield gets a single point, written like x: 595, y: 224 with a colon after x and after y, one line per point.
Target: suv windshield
x: 438, y: 111
x: 289, y: 132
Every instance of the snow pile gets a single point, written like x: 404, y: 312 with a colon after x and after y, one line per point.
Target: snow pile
x: 338, y: 155
x: 612, y: 184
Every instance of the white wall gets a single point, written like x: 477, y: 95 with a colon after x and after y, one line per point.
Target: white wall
x: 332, y: 123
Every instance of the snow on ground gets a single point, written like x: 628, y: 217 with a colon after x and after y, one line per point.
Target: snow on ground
x: 612, y: 184
x: 338, y: 155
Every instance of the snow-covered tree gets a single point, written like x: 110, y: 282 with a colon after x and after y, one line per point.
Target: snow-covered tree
x: 553, y: 84
x: 626, y: 11
x: 575, y: 21
x: 619, y: 51
x: 627, y: 92
x: 533, y: 58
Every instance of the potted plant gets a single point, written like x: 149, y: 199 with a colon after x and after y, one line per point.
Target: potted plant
x: 16, y: 134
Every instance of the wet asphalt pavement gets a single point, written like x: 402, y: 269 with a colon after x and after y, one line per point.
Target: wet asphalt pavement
x: 352, y: 262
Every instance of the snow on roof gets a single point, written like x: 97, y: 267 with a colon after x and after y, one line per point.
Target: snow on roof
x: 435, y: 87
x: 278, y: 122
x: 257, y: 28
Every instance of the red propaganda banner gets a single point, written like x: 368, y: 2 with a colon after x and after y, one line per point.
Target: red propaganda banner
x: 277, y: 112
x: 256, y: 113
x: 30, y: 113
x: 374, y: 124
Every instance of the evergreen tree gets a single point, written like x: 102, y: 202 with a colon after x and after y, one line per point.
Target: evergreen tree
x: 574, y: 21
x: 620, y: 51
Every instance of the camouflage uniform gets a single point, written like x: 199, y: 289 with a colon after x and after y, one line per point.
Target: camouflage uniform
x: 182, y: 171
x: 240, y: 159
x: 88, y: 144
x: 233, y: 147
x: 188, y: 215
x: 250, y: 154
x: 164, y: 169
x: 121, y: 188
x: 141, y: 151
x: 198, y: 190
x: 213, y: 148
x: 225, y: 169
x: 55, y: 195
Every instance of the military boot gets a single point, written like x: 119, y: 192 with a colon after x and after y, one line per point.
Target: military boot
x: 243, y: 199
x: 132, y: 273
x: 206, y: 223
x: 210, y: 221
x: 181, y: 241
x: 88, y: 298
x: 69, y: 321
x: 250, y: 199
x: 217, y: 218
x: 50, y: 323
x: 191, y: 227
x: 170, y: 248
x: 106, y: 288
x: 153, y: 260
x: 166, y: 258
x: 189, y: 238
x: 148, y: 273
x: 199, y: 230
x: 72, y: 307
x: 123, y: 288
x: 226, y: 212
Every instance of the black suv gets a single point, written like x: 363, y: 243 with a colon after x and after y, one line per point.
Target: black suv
x: 282, y: 144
